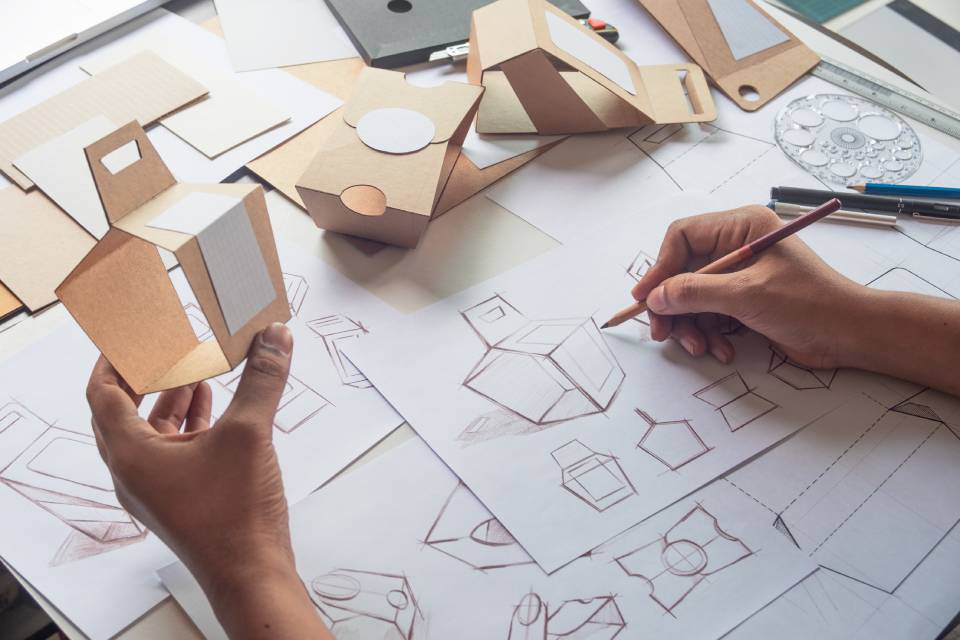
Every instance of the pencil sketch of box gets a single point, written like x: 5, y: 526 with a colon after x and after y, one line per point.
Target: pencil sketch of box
x: 738, y: 404
x: 594, y: 618
x: 61, y: 472
x: 299, y: 403
x: 796, y: 375
x: 596, y: 478
x: 297, y: 288
x: 336, y: 330
x: 366, y: 604
x: 547, y: 371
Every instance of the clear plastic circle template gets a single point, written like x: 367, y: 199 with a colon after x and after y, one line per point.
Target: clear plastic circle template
x: 846, y: 140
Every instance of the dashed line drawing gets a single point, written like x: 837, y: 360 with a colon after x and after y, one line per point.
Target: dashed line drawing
x: 797, y: 376
x: 693, y: 549
x: 367, y: 604
x: 299, y: 404
x: 597, y: 618
x: 547, y: 371
x: 597, y: 479
x: 61, y: 472
x: 198, y: 322
x: 297, y: 288
x: 674, y: 443
x: 737, y: 403
x: 335, y: 330
x: 466, y: 531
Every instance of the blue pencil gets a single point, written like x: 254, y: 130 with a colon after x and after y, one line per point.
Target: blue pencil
x: 907, y: 190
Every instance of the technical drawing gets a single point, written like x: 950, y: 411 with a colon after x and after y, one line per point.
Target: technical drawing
x: 465, y: 531
x: 546, y: 371
x: 595, y: 478
x: 335, y: 330
x: 367, y: 604
x: 299, y: 404
x: 640, y: 265
x: 797, y: 376
x: 900, y: 279
x: 691, y: 550
x: 198, y: 322
x: 736, y: 402
x: 61, y: 472
x: 596, y: 618
x: 495, y: 424
x: 297, y: 288
x: 674, y: 443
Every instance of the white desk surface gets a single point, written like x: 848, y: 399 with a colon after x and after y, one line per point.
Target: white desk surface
x: 167, y: 620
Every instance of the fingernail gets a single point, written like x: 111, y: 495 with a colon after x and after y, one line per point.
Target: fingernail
x: 689, y: 345
x: 722, y: 352
x: 277, y: 337
x: 656, y: 301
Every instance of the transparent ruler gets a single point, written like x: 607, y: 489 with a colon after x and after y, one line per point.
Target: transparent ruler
x: 889, y: 96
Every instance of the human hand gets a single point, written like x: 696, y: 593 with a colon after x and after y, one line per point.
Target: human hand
x: 213, y: 495
x: 788, y: 294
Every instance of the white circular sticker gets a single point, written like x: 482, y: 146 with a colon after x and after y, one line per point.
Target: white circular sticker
x: 394, y: 130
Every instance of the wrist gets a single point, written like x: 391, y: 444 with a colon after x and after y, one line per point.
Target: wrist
x: 867, y: 319
x: 234, y: 582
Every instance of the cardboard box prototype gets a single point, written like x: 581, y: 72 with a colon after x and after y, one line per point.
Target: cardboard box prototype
x: 121, y: 294
x: 546, y: 73
x: 385, y: 163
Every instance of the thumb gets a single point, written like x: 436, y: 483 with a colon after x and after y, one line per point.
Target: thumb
x: 696, y: 293
x: 264, y: 378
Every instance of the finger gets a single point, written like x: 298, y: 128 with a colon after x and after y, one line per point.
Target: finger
x: 687, y: 293
x: 660, y: 326
x: 717, y: 344
x: 264, y: 378
x: 689, y: 336
x: 113, y: 409
x: 170, y: 411
x: 198, y: 416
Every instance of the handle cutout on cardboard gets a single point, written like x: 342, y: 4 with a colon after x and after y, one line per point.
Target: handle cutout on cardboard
x: 749, y: 93
x: 365, y: 200
x: 121, y: 157
x: 694, y: 100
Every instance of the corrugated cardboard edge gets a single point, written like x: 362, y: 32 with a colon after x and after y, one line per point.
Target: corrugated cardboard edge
x: 9, y: 303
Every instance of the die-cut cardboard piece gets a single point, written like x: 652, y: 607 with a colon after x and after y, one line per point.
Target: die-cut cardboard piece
x: 353, y: 188
x: 763, y: 75
x: 121, y: 294
x: 546, y: 73
x: 9, y: 303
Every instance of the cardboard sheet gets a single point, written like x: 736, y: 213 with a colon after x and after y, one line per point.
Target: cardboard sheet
x: 9, y: 303
x: 59, y: 168
x: 464, y: 576
x: 141, y: 87
x: 281, y: 33
x: 40, y: 245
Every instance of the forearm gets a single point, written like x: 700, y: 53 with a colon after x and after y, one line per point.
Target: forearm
x: 909, y: 336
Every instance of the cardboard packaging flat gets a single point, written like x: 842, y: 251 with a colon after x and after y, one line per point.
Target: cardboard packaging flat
x: 381, y: 170
x: 750, y: 81
x: 122, y: 296
x: 546, y: 73
x: 9, y: 303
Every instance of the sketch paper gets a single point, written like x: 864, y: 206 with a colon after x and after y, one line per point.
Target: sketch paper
x: 281, y: 33
x: 405, y: 522
x: 485, y: 151
x: 59, y: 168
x: 570, y: 435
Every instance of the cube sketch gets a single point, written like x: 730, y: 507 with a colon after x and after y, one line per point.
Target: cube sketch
x: 674, y: 443
x: 335, y: 330
x: 691, y: 550
x: 495, y: 424
x: 297, y: 288
x: 466, y: 531
x: 367, y: 604
x: 596, y: 618
x: 640, y: 265
x: 797, y: 376
x: 738, y: 404
x: 299, y: 404
x: 61, y: 472
x: 595, y: 478
x: 546, y: 371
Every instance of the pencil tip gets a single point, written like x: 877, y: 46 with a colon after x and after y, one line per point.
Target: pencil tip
x: 858, y: 187
x: 605, y: 325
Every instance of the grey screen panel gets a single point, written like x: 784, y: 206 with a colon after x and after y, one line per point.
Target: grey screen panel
x: 387, y: 38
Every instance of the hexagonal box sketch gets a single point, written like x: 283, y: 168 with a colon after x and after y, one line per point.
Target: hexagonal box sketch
x: 335, y: 330
x: 595, y: 478
x: 797, y: 376
x: 674, y: 442
x: 367, y: 604
x: 737, y: 403
x: 547, y: 371
x: 597, y: 618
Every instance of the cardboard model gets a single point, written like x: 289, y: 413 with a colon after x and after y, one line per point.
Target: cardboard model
x: 122, y: 296
x: 385, y: 163
x: 746, y: 53
x: 546, y: 73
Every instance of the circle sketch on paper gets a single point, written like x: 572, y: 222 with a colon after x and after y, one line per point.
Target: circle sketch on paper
x: 843, y: 140
x: 395, y: 130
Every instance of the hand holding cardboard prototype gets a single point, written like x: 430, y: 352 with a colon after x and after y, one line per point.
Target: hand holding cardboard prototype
x: 121, y: 295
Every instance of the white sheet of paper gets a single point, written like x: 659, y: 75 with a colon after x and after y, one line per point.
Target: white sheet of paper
x: 454, y: 585
x: 230, y: 252
x: 60, y: 169
x: 102, y: 588
x: 585, y: 47
x: 486, y: 151
x: 281, y: 33
x: 552, y: 423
